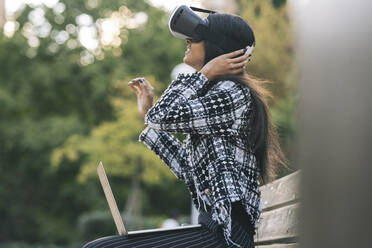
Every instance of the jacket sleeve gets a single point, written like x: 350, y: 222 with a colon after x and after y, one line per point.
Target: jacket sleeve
x: 168, y: 149
x: 180, y: 109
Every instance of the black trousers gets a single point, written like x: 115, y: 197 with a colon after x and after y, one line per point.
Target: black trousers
x: 208, y: 235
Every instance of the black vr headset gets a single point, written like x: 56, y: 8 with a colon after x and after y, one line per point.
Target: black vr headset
x: 185, y: 24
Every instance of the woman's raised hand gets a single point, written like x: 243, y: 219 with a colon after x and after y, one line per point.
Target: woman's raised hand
x: 144, y: 92
x: 226, y: 64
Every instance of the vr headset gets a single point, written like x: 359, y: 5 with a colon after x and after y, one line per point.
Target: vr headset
x: 185, y: 24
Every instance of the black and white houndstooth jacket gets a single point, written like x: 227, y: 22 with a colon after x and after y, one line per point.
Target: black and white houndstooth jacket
x: 215, y: 160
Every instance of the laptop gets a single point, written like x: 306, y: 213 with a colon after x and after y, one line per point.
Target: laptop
x: 116, y: 214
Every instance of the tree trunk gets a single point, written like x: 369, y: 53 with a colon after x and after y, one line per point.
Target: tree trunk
x: 133, y: 208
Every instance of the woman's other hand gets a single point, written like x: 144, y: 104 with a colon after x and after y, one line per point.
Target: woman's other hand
x: 226, y: 64
x: 144, y: 92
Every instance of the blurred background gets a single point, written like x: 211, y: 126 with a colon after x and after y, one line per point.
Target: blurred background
x: 65, y: 106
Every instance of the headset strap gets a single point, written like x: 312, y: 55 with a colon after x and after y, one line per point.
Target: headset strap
x: 203, y: 10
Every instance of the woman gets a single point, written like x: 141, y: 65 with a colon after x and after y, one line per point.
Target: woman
x: 231, y: 142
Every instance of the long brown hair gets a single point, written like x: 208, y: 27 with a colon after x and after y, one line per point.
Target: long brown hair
x: 263, y: 136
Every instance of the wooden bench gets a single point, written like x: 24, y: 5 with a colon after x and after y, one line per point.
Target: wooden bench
x: 278, y: 222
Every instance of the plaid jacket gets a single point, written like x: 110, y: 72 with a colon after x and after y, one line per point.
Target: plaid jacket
x: 215, y: 161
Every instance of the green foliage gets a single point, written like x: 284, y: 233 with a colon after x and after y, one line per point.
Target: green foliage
x: 47, y: 95
x: 25, y: 245
x: 278, y: 3
x: 273, y: 56
x: 115, y: 143
x: 94, y: 224
x: 273, y: 59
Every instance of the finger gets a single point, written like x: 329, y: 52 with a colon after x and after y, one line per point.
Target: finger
x: 146, y: 84
x: 234, y: 54
x: 143, y: 85
x: 238, y: 70
x: 240, y: 58
x: 134, y: 88
x: 138, y: 82
x: 241, y: 64
x: 133, y: 84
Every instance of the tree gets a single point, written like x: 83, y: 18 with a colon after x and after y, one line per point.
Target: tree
x: 116, y: 144
x: 52, y: 88
x: 274, y: 59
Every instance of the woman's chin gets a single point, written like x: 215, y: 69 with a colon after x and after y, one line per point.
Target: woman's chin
x: 185, y: 60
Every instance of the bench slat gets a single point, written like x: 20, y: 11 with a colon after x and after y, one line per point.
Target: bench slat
x: 280, y: 192
x: 278, y: 224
